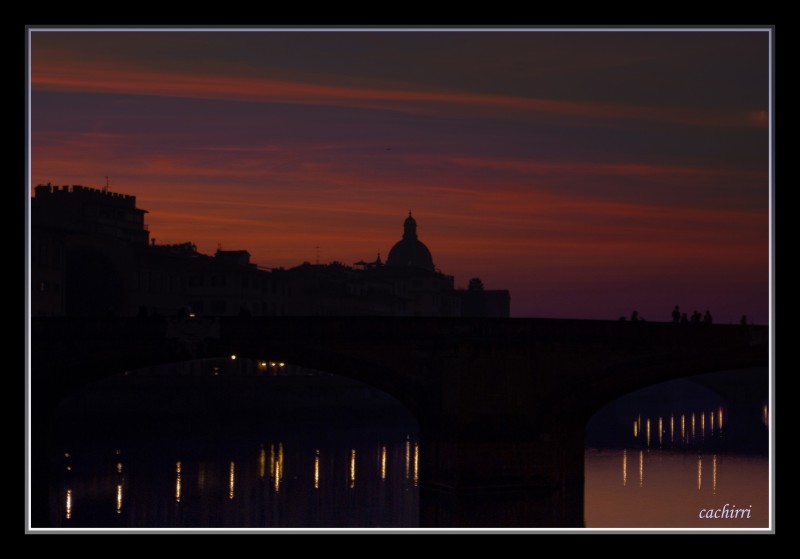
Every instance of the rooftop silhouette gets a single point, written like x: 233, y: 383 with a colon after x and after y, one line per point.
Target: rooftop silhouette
x: 92, y: 255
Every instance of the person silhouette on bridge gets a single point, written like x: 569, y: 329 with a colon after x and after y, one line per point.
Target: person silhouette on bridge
x: 707, y: 317
x: 676, y: 314
x: 635, y: 316
x: 696, y: 316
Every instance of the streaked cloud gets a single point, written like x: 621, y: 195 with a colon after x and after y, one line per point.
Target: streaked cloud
x: 99, y: 77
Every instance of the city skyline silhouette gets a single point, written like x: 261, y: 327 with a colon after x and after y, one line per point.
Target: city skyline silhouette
x: 93, y: 255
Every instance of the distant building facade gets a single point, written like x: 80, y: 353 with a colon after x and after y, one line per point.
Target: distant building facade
x: 91, y: 255
x: 477, y: 301
x: 90, y: 211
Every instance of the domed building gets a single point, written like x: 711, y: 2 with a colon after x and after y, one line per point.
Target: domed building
x: 410, y: 252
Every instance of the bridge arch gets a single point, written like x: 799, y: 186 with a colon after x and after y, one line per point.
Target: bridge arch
x: 374, y: 375
x: 479, y: 388
x: 738, y: 392
x: 243, y: 396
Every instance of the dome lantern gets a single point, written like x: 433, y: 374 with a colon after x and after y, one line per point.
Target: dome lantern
x: 410, y: 227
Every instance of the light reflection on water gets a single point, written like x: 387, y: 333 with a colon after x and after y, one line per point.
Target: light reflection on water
x: 697, y: 435
x: 316, y: 470
x: 687, y: 478
x: 178, y: 482
x: 68, y: 505
x: 306, y: 487
x: 697, y: 456
x: 673, y: 489
x: 234, y: 443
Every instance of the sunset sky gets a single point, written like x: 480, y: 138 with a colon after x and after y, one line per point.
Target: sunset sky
x: 591, y: 173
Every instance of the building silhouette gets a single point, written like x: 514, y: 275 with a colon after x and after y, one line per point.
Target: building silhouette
x: 90, y: 211
x: 92, y: 255
x: 477, y: 301
x: 410, y: 252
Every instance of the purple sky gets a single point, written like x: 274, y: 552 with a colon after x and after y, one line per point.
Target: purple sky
x: 591, y: 173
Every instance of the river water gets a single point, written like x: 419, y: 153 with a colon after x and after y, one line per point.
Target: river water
x: 231, y: 445
x: 667, y: 489
x: 205, y: 445
x: 680, y: 455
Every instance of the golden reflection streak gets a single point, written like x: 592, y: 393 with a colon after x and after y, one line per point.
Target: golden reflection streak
x: 711, y: 421
x: 672, y: 429
x: 68, y: 504
x: 408, y: 457
x: 635, y: 429
x: 232, y: 480
x: 648, y: 431
x: 416, y: 464
x: 277, y: 466
x: 766, y: 415
x: 624, y: 467
x: 352, y: 468
x: 316, y: 470
x: 383, y: 462
x: 719, y: 417
x: 714, y: 474
x: 660, y: 431
x: 177, y: 482
x: 693, y: 426
x: 641, y: 468
x: 262, y: 463
x: 272, y: 460
x: 683, y: 428
x: 699, y: 472
x: 119, y: 498
x: 703, y: 425
x: 119, y: 467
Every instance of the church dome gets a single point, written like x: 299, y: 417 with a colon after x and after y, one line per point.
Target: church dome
x: 410, y: 252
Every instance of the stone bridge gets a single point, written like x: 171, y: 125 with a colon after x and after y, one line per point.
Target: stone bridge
x: 502, y: 404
